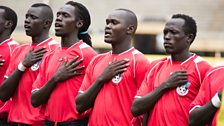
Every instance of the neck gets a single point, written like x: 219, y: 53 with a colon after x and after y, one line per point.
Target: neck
x: 120, y: 47
x: 181, y: 57
x: 4, y: 37
x: 69, y: 40
x: 40, y: 38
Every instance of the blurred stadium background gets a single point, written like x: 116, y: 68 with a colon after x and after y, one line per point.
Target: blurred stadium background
x: 152, y: 16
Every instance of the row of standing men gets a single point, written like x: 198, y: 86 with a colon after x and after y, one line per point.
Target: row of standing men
x: 47, y: 83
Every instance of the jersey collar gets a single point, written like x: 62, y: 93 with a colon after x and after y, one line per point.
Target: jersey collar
x: 43, y: 42
x: 6, y: 41
x: 129, y: 50
x: 182, y: 63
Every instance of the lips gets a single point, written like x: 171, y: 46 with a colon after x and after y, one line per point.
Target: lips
x: 167, y: 45
x: 27, y: 27
x: 58, y: 26
x: 107, y: 34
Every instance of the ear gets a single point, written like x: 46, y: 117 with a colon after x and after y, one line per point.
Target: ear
x: 190, y: 38
x: 8, y: 24
x: 79, y: 23
x: 47, y: 23
x: 130, y: 29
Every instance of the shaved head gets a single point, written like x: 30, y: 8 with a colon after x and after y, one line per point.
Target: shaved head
x: 129, y: 17
x: 46, y: 11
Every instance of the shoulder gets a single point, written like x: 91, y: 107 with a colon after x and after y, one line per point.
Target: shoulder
x: 53, y: 42
x: 22, y: 47
x: 97, y: 58
x: 138, y: 56
x: 201, y: 63
x: 216, y: 70
x: 84, y: 46
x: 13, y: 42
x: 159, y: 61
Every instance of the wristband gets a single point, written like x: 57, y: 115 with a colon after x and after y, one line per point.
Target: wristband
x: 216, y: 101
x: 21, y: 67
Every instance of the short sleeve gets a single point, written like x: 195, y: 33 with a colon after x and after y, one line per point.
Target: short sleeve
x: 204, y: 94
x: 87, y: 81
x: 142, y: 65
x: 147, y: 84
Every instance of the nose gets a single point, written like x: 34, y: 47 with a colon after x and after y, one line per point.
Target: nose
x: 166, y: 36
x: 27, y: 20
x: 59, y: 18
x: 108, y: 25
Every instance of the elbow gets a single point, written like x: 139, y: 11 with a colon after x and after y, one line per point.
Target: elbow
x: 135, y: 110
x: 192, y: 120
x: 79, y: 106
x: 3, y: 97
x: 34, y: 101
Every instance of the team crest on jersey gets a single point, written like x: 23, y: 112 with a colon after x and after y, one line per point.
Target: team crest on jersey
x: 117, y: 79
x: 35, y: 66
x: 183, y: 89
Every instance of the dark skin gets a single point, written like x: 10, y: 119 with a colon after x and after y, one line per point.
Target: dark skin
x: 66, y: 26
x: 203, y: 115
x: 34, y: 18
x: 118, y: 32
x: 5, y: 31
x: 177, y: 44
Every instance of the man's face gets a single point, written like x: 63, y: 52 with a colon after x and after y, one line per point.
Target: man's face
x: 34, y: 21
x: 175, y: 39
x: 66, y: 21
x: 116, y: 27
x: 2, y: 21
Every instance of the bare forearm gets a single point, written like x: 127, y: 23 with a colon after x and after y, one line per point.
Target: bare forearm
x: 10, y: 85
x: 146, y: 103
x: 202, y: 115
x: 42, y: 95
x: 86, y: 100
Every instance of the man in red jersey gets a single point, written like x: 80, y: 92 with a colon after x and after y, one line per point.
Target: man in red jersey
x: 23, y: 69
x: 8, y: 22
x: 62, y: 71
x: 205, y: 107
x: 112, y: 79
x: 172, y: 83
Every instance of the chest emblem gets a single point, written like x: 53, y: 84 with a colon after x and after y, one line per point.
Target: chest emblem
x: 35, y: 66
x: 116, y: 79
x: 183, y: 89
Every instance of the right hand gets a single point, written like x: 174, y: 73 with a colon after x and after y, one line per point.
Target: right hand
x: 114, y: 68
x: 33, y: 56
x: 1, y: 61
x: 69, y: 70
x: 176, y: 79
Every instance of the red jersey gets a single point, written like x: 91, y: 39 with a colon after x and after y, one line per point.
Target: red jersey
x: 21, y: 110
x: 112, y: 105
x: 61, y: 103
x: 6, y: 48
x: 212, y: 84
x: 172, y: 109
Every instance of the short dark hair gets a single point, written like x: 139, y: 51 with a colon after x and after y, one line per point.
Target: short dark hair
x: 83, y: 14
x: 49, y: 11
x: 190, y: 26
x: 10, y: 15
